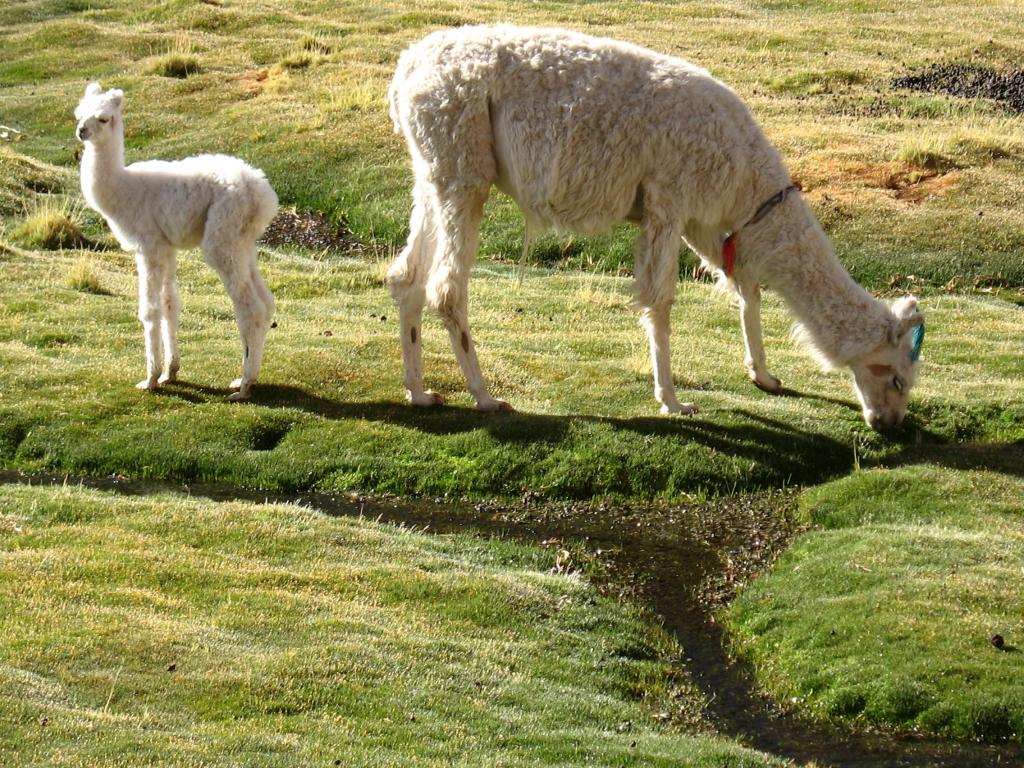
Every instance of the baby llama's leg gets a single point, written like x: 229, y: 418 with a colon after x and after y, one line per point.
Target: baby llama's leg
x: 656, y: 273
x: 458, y: 219
x: 750, y: 321
x: 252, y: 314
x: 235, y: 263
x: 406, y: 279
x: 152, y: 267
x: 170, y: 303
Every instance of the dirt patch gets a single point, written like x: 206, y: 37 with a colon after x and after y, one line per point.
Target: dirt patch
x: 901, y: 181
x: 969, y: 81
x: 309, y: 230
x: 252, y: 83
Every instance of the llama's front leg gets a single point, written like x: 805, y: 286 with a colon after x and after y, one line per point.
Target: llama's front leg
x: 170, y: 302
x: 656, y: 270
x: 750, y: 320
x: 656, y: 320
x: 151, y: 269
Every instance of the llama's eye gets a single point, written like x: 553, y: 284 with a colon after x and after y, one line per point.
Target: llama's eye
x: 898, y: 383
x: 104, y: 120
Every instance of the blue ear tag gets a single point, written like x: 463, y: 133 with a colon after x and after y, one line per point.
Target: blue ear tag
x: 918, y: 337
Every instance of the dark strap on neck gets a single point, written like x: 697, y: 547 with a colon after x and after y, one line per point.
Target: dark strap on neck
x: 729, y: 246
x: 770, y: 203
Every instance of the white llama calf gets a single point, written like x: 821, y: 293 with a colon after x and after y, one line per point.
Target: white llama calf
x: 585, y: 132
x: 157, y: 208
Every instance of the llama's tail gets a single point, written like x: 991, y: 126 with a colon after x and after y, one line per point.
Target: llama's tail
x: 405, y: 62
x: 265, y: 208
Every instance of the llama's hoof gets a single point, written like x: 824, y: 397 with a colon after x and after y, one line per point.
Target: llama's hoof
x: 241, y: 396
x: 148, y: 384
x: 428, y: 399
x: 168, y: 378
x: 236, y: 384
x: 495, y: 406
x: 678, y: 409
x: 767, y: 383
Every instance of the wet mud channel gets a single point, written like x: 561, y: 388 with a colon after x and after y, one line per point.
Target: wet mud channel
x: 681, y: 561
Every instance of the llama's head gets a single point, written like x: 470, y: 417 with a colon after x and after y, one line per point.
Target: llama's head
x: 99, y: 114
x: 884, y: 376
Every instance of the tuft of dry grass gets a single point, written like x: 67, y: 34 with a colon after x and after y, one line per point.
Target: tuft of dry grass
x: 83, y: 276
x: 51, y: 224
x: 178, y: 62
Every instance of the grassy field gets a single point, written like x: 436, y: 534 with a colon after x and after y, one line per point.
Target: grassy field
x: 918, y: 191
x: 887, y: 615
x: 908, y: 184
x: 168, y: 631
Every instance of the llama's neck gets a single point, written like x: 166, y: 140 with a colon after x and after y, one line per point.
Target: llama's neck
x: 840, y: 319
x: 102, y: 172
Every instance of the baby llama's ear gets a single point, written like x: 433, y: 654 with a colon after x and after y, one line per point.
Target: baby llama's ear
x: 93, y: 89
x: 116, y: 97
x: 906, y: 316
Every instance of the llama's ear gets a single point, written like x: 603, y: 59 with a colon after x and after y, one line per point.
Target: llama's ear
x: 116, y: 97
x: 93, y: 89
x: 906, y: 316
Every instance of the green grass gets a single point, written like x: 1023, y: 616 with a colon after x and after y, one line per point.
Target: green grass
x: 170, y: 631
x: 885, y: 616
x: 918, y: 191
x: 800, y: 67
x: 331, y: 398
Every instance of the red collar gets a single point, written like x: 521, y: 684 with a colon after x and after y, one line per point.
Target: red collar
x: 729, y: 246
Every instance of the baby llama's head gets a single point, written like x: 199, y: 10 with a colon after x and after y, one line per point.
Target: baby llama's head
x: 99, y: 114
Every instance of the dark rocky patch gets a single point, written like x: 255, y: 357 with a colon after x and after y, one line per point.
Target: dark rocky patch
x: 969, y: 81
x: 309, y: 230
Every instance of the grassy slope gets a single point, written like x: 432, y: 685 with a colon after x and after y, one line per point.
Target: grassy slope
x: 885, y: 616
x: 330, y: 415
x: 300, y: 88
x: 169, y: 631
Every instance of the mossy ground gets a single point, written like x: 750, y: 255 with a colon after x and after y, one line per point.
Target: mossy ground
x: 918, y: 191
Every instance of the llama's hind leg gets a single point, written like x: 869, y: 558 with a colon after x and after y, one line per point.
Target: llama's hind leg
x: 170, y: 304
x: 750, y: 321
x: 254, y: 342
x: 152, y: 268
x: 447, y: 289
x: 252, y: 310
x: 656, y: 274
x: 406, y: 280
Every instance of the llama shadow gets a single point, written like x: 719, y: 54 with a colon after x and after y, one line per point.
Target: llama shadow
x: 792, y: 453
x: 797, y: 454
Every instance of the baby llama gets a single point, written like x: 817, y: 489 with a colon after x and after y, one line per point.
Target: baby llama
x: 585, y: 132
x: 157, y: 208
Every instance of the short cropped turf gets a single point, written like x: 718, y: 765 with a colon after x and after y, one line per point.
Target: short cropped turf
x: 226, y: 634
x: 916, y: 188
x: 168, y: 631
x: 905, y: 609
x: 565, y: 349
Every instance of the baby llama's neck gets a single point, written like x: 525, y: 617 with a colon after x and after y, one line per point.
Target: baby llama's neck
x: 840, y: 319
x: 102, y: 172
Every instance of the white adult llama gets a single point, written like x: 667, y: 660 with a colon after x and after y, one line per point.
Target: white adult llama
x: 157, y: 208
x: 585, y: 132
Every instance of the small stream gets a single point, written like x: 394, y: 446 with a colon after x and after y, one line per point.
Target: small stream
x: 683, y: 562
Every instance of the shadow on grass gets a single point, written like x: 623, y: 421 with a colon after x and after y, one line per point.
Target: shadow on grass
x: 1004, y: 458
x: 736, y: 449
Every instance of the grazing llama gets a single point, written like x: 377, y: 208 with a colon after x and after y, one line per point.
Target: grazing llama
x: 584, y: 132
x: 157, y: 208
